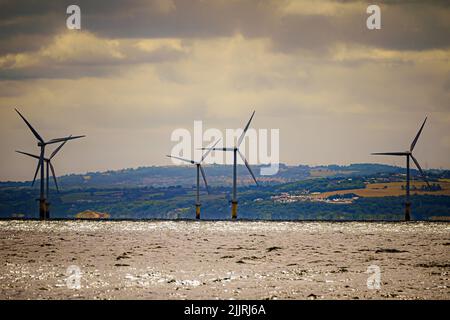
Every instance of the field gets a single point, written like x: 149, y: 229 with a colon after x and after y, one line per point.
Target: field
x: 390, y: 189
x: 323, y: 173
x: 223, y: 260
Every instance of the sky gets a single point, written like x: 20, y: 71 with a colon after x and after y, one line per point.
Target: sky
x: 138, y: 70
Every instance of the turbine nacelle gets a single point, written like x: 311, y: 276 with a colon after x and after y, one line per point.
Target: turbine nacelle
x: 235, y: 149
x: 48, y: 161
x: 198, y: 163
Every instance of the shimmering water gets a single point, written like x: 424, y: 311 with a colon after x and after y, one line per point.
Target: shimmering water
x: 225, y: 226
x: 223, y: 259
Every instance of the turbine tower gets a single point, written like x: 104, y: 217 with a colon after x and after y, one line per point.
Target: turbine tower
x: 49, y: 166
x: 43, y: 212
x: 408, y: 155
x: 199, y: 169
x: 236, y: 151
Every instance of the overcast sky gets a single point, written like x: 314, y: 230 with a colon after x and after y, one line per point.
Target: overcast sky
x: 137, y: 70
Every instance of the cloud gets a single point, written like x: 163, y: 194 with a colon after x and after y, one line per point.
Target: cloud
x: 325, y: 7
x: 74, y: 54
x: 290, y: 24
x: 81, y: 48
x: 342, y: 52
x: 135, y: 73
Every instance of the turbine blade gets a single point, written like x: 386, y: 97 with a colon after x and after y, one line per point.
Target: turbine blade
x: 28, y: 154
x: 31, y: 127
x: 245, y: 130
x: 217, y: 149
x: 54, y: 175
x: 182, y: 159
x: 208, y: 151
x: 36, y: 172
x: 204, y: 178
x: 390, y: 153
x: 420, y: 170
x: 57, y: 149
x: 248, y: 166
x: 64, y: 139
x: 413, y: 144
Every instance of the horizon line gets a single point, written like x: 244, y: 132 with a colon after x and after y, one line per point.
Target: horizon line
x: 230, y: 165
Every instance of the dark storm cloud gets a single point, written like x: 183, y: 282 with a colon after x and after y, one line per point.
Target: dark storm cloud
x: 414, y: 26
x: 23, y: 43
x: 142, y: 18
x: 58, y: 72
x: 406, y: 25
x: 27, y: 25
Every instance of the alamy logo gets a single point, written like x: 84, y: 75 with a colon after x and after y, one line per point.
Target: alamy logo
x: 373, y: 22
x: 73, y: 280
x: 374, y: 279
x: 73, y: 22
x: 261, y: 149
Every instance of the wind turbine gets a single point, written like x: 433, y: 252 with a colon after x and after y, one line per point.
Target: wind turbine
x: 236, y: 151
x: 49, y: 165
x: 43, y: 212
x: 199, y: 169
x: 408, y: 155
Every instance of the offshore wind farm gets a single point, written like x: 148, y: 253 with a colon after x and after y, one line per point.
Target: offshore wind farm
x: 243, y: 259
x: 226, y: 150
x: 261, y: 195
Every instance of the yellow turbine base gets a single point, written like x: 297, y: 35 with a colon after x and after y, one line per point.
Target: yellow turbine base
x: 197, y: 211
x: 234, y: 210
